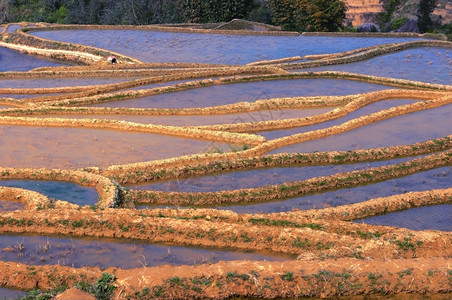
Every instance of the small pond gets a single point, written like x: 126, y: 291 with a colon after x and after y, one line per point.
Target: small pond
x: 58, y: 190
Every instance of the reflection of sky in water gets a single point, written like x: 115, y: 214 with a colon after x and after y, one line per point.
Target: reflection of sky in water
x: 437, y: 217
x: 232, y: 93
x: 13, y: 28
x: 105, y: 253
x: 402, y: 130
x: 432, y: 65
x: 154, y: 46
x: 256, y: 178
x: 59, y: 190
x: 11, y: 60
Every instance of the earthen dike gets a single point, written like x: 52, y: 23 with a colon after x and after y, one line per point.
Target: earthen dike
x: 334, y: 255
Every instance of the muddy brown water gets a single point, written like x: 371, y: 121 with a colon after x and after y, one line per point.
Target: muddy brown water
x: 402, y: 130
x: 81, y: 147
x: 58, y: 190
x: 256, y: 178
x: 104, y: 253
x: 11, y: 60
x: 249, y: 92
x: 437, y: 217
x: 192, y: 120
x: 7, y: 206
x: 432, y: 65
x: 154, y: 46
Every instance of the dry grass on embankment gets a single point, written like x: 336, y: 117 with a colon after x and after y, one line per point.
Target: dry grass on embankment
x: 334, y: 256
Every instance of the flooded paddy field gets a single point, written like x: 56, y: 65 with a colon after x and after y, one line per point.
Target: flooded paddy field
x: 435, y: 217
x: 402, y: 130
x: 40, y: 147
x: 104, y: 253
x: 368, y: 109
x: 14, y: 61
x: 434, y: 179
x: 154, y: 46
x: 260, y: 179
x: 192, y: 120
x: 435, y: 63
x: 57, y: 190
x: 58, y: 82
x: 249, y: 92
x: 255, y: 178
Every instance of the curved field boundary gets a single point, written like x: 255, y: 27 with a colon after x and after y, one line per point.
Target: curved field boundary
x: 318, y: 238
x: 384, y: 205
x: 298, y: 138
x: 110, y: 194
x: 293, y: 189
x: 23, y: 39
x: 433, y: 36
x: 359, y: 101
x: 139, y: 71
x: 209, y: 135
x: 258, y: 105
x: 109, y: 97
x: 362, y: 54
x: 167, y: 28
x: 326, y: 278
x: 68, y: 55
x: 154, y: 171
x: 352, y: 124
x: 33, y: 200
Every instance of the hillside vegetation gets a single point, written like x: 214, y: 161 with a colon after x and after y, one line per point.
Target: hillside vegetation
x: 300, y: 15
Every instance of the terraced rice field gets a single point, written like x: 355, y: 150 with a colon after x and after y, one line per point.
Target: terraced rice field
x: 212, y: 164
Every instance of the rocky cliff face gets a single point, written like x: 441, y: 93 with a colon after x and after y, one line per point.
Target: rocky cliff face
x: 361, y: 11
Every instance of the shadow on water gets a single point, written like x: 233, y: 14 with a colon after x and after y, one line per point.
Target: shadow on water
x: 104, y: 253
x: 58, y: 190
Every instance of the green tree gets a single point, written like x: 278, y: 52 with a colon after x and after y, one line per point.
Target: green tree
x: 426, y: 8
x: 3, y: 11
x: 308, y: 15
